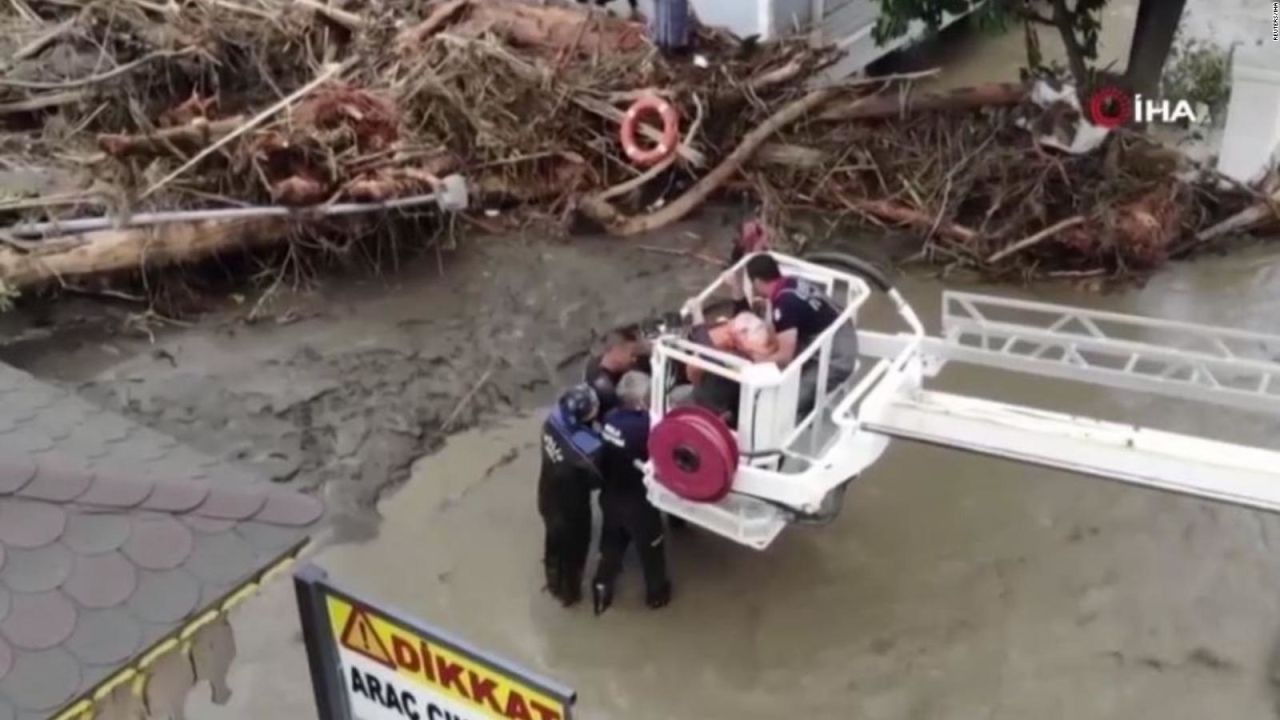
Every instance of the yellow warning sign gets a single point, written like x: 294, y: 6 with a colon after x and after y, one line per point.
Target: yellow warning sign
x: 438, y: 669
x: 358, y: 635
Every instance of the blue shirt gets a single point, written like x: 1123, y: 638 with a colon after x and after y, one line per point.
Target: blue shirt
x: 626, y: 441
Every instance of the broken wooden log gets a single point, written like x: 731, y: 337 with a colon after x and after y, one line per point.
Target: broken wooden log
x: 329, y: 73
x: 1035, y: 239
x: 43, y: 101
x: 887, y: 106
x: 1251, y: 217
x: 544, y: 27
x: 443, y: 13
x: 885, y: 210
x: 499, y: 188
x: 191, y: 136
x: 132, y: 249
x: 777, y: 76
x: 348, y: 20
x: 800, y: 157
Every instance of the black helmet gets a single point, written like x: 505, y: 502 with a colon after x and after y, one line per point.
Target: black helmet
x: 580, y: 404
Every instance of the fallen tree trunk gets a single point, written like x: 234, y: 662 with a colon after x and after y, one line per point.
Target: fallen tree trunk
x: 42, y: 102
x: 131, y: 249
x: 147, y: 248
x: 186, y: 137
x: 442, y: 14
x: 1247, y: 219
x: 557, y: 28
x: 499, y: 188
x: 907, y: 216
x: 545, y: 27
x: 1036, y: 239
x: 348, y: 20
x: 887, y: 106
x: 789, y: 155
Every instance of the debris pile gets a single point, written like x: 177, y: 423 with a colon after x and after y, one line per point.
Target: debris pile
x: 120, y: 107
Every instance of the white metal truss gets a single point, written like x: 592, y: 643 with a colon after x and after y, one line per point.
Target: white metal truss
x: 1211, y: 364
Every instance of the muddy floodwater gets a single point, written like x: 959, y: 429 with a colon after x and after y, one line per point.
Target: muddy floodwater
x: 951, y: 586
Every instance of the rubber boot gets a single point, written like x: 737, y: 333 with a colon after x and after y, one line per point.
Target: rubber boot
x: 554, y: 582
x: 571, y: 589
x: 601, y: 596
x: 658, y: 597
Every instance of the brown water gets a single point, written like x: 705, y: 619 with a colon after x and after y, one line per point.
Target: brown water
x: 968, y: 57
x: 952, y: 586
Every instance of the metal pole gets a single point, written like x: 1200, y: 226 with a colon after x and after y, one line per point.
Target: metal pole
x: 77, y: 225
x: 327, y: 680
x: 452, y: 197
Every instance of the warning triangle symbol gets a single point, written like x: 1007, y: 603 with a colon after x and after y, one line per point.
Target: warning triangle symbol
x: 360, y: 636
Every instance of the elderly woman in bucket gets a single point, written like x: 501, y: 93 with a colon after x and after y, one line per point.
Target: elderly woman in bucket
x: 744, y: 335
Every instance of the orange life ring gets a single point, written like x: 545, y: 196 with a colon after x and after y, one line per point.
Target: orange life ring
x: 670, y: 131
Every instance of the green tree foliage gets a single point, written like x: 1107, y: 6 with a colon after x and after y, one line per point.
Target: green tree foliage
x: 1076, y: 22
x: 7, y: 297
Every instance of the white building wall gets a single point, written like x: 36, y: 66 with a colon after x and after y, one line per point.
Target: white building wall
x: 1251, y: 140
x: 845, y: 22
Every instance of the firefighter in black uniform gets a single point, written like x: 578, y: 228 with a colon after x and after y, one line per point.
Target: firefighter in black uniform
x: 571, y: 449
x: 628, y: 516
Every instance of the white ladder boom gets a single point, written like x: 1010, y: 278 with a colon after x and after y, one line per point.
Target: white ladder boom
x: 1232, y: 368
x: 1228, y: 472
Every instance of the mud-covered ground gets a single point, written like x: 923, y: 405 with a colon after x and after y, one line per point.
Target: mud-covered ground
x: 952, y: 586
x: 343, y: 385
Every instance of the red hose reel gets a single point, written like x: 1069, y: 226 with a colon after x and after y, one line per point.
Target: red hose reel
x: 694, y: 454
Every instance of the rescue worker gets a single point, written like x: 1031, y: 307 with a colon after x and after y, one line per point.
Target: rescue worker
x: 800, y: 311
x: 628, y: 516
x: 624, y: 351
x: 571, y: 450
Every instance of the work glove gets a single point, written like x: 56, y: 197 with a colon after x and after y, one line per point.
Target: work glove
x: 601, y: 596
x: 658, y: 597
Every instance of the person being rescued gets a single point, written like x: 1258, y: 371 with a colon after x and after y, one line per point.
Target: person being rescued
x: 744, y: 335
x: 799, y: 312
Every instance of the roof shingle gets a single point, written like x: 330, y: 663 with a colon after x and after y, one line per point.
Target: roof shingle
x: 111, y: 535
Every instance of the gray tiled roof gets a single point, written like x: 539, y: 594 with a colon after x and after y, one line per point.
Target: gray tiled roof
x: 111, y: 535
